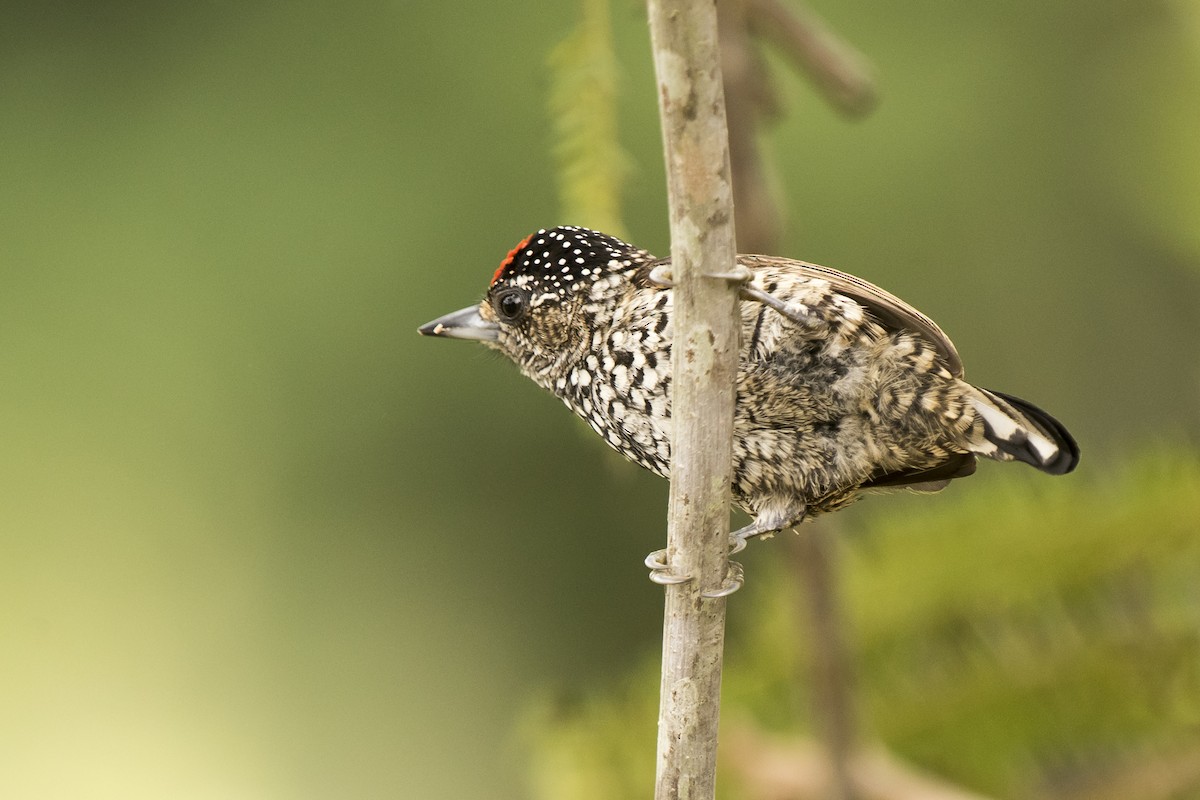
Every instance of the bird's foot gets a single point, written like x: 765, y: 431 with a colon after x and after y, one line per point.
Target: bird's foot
x: 739, y: 274
x: 734, y: 578
x: 662, y: 574
x: 662, y: 276
x: 794, y: 311
x: 741, y: 537
x: 660, y: 570
x: 758, y: 529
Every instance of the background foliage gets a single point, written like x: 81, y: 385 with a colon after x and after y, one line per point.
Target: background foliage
x: 258, y: 540
x: 986, y: 651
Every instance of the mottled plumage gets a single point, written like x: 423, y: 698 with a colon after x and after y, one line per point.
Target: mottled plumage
x: 845, y: 390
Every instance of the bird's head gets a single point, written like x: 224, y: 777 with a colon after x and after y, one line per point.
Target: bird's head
x: 547, y: 297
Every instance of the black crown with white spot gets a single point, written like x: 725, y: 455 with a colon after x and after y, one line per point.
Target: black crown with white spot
x: 560, y: 259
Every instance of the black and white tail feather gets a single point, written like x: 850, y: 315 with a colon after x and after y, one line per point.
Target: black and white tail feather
x: 1015, y: 430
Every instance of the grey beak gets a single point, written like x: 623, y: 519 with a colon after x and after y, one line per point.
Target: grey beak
x: 463, y: 324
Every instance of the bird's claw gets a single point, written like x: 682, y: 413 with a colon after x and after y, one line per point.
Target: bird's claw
x: 737, y: 542
x: 734, y: 578
x: 793, y: 311
x: 739, y: 274
x: 660, y: 569
x: 662, y: 276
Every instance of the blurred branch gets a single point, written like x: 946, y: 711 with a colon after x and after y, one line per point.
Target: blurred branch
x: 840, y: 73
x: 832, y: 672
x: 704, y: 366
x: 749, y: 100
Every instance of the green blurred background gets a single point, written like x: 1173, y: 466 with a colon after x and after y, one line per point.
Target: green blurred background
x: 259, y: 540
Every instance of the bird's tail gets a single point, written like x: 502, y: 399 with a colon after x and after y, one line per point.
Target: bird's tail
x: 1014, y: 430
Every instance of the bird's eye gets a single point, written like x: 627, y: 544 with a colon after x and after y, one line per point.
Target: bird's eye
x: 511, y: 304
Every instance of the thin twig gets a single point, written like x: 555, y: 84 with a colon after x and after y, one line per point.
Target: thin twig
x: 704, y: 366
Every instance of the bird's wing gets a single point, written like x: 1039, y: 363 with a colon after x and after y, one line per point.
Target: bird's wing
x: 929, y: 479
x: 888, y: 310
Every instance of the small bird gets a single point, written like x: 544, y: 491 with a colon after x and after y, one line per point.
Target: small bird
x: 842, y: 388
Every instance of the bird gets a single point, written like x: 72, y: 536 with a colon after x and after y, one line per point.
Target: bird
x: 842, y: 388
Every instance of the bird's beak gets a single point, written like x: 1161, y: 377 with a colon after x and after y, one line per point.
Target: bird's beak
x: 463, y: 324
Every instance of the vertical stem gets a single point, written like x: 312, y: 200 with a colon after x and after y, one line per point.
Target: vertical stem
x: 704, y: 367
